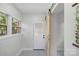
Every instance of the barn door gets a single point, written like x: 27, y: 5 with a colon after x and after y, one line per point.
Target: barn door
x: 47, y: 34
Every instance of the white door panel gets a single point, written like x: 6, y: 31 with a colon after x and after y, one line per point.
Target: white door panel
x: 39, y: 42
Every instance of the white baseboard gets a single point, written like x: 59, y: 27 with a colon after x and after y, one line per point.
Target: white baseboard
x: 22, y: 50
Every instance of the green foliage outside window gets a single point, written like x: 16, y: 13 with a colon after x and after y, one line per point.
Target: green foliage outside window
x: 15, y: 26
x: 3, y: 27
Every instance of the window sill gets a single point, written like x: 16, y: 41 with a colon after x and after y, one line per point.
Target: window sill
x: 7, y: 36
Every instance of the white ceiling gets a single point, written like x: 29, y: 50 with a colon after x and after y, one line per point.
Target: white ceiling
x: 33, y: 7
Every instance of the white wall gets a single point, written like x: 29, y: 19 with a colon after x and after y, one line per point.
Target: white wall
x: 11, y: 10
x: 57, y: 31
x: 29, y: 20
x: 60, y: 33
x: 10, y: 44
x: 53, y: 34
x: 69, y: 30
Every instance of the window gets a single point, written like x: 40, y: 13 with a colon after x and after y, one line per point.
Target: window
x: 15, y: 26
x: 3, y: 26
x: 6, y: 25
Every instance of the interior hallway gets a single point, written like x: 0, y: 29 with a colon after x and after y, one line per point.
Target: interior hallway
x: 30, y: 39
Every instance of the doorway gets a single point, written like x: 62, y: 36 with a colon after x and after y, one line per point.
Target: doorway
x: 39, y: 41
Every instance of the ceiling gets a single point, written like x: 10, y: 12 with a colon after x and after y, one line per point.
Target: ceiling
x: 33, y: 7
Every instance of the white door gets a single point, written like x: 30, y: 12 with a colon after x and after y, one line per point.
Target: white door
x: 39, y: 42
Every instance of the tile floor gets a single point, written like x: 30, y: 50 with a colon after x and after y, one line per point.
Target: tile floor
x: 37, y: 52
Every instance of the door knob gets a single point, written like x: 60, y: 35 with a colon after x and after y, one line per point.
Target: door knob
x: 43, y: 36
